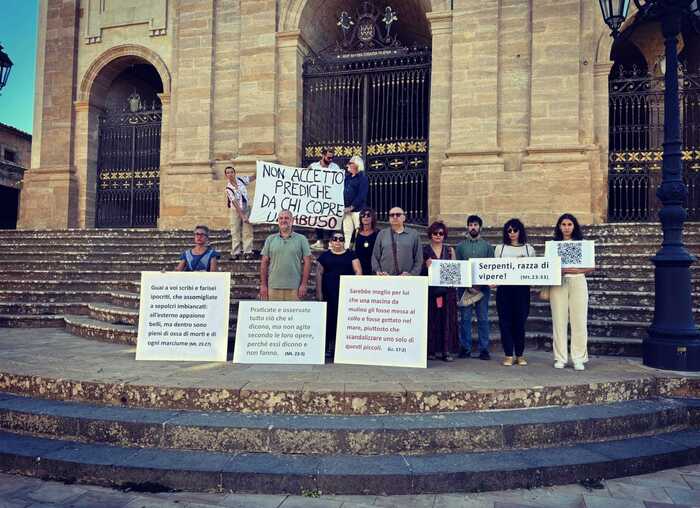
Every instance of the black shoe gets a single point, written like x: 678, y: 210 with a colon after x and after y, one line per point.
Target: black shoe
x: 464, y: 354
x: 484, y: 355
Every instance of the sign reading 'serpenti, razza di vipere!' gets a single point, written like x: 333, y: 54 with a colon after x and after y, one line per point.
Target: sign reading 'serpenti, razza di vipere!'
x: 183, y: 316
x: 525, y: 271
x: 314, y: 196
x: 382, y: 320
x: 280, y: 332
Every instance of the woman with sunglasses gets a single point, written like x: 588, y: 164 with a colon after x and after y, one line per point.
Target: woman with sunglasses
x: 333, y: 263
x: 570, y: 302
x: 513, y: 302
x: 365, y: 236
x: 442, y: 301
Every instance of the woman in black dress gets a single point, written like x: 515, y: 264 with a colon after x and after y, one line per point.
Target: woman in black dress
x: 365, y: 236
x: 333, y: 263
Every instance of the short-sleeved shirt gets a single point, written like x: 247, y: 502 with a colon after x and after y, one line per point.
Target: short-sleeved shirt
x: 196, y: 262
x: 286, y: 257
x: 238, y: 193
x: 335, y: 265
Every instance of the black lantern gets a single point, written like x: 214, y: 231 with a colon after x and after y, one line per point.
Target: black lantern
x: 614, y: 13
x: 673, y: 340
x: 5, y: 66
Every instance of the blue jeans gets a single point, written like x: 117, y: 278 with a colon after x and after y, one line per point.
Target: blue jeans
x: 482, y: 322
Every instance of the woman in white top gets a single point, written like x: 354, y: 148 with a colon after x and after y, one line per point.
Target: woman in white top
x: 513, y: 302
x: 569, y: 302
x: 239, y: 211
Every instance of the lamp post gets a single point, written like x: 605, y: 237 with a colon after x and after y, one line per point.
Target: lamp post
x: 673, y: 341
x: 5, y: 66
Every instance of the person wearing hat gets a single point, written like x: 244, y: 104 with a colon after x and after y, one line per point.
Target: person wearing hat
x: 474, y: 247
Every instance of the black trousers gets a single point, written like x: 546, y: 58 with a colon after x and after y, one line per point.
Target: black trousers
x: 513, y: 305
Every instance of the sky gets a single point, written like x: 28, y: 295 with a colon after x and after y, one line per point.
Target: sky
x: 18, y: 37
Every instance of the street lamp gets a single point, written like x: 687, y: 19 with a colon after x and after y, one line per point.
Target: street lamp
x: 5, y: 66
x: 673, y: 341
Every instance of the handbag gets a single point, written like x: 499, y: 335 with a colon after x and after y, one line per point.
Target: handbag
x: 470, y: 297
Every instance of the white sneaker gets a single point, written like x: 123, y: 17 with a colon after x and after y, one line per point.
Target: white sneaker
x: 559, y: 365
x: 579, y: 366
x: 318, y: 245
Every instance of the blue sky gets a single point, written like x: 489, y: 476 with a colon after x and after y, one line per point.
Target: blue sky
x: 18, y: 36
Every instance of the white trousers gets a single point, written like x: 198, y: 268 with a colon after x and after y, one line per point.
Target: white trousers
x: 351, y: 221
x: 569, y: 302
x: 241, y: 232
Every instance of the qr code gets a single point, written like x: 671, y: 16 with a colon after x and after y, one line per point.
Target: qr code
x: 570, y: 253
x: 450, y: 274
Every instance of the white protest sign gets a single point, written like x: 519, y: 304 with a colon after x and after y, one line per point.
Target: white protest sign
x: 183, y: 316
x: 280, y: 332
x: 314, y: 196
x: 450, y: 273
x: 573, y: 253
x: 382, y: 320
x: 525, y: 271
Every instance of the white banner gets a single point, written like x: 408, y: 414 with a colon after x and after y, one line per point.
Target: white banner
x: 280, y: 332
x: 383, y: 320
x: 541, y: 271
x: 573, y: 253
x: 183, y: 316
x: 450, y: 273
x: 314, y: 196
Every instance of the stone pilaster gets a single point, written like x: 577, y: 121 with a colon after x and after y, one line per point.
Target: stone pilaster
x: 440, y: 104
x: 599, y: 168
x: 86, y: 145
x: 257, y: 84
x: 49, y: 194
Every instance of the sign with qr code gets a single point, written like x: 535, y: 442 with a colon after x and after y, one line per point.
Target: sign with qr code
x: 450, y: 273
x: 573, y: 253
x: 523, y: 271
x: 382, y: 320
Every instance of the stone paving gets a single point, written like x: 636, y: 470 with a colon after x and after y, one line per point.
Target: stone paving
x: 679, y: 488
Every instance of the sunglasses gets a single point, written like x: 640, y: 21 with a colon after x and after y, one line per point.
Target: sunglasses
x: 365, y: 214
x: 395, y: 214
x: 338, y: 238
x: 511, y: 230
x: 438, y: 233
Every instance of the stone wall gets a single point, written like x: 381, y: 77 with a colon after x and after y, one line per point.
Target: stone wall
x: 518, y: 107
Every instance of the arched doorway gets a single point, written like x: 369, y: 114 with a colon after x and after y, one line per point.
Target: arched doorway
x: 636, y: 122
x: 367, y: 93
x: 128, y: 159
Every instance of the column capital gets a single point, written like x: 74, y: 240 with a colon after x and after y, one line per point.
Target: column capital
x: 440, y: 22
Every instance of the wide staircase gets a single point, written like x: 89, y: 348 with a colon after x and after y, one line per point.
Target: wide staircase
x: 76, y: 406
x: 88, y: 281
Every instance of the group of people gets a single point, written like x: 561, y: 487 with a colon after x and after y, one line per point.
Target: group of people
x: 361, y: 249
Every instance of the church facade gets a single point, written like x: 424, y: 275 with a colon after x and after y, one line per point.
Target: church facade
x: 498, y: 107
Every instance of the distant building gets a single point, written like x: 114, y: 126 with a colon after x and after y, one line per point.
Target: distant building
x: 15, y: 157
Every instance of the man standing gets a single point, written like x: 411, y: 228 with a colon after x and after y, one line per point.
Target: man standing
x: 326, y: 162
x: 239, y: 210
x: 281, y: 275
x: 397, y: 250
x: 475, y: 247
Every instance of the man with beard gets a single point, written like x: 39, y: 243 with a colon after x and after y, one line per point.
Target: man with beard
x: 475, y: 247
x: 326, y: 162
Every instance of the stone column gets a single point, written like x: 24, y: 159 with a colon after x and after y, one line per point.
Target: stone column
x: 49, y: 194
x: 440, y: 104
x: 599, y: 169
x: 257, y: 84
x: 86, y: 146
x: 165, y: 135
x: 291, y: 52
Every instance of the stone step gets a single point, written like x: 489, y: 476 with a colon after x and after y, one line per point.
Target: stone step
x: 31, y: 321
x: 598, y: 282
x: 230, y: 432
x: 90, y: 328
x: 113, y: 314
x: 117, y: 466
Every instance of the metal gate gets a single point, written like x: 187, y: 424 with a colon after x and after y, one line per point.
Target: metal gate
x: 636, y: 143
x: 128, y: 167
x: 372, y: 99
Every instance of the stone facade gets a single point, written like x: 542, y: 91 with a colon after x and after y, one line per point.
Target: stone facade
x: 518, y: 107
x: 15, y: 155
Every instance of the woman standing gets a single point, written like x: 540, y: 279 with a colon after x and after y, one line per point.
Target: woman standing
x: 355, y: 196
x: 569, y: 302
x: 513, y: 302
x: 442, y: 301
x: 332, y: 264
x: 239, y: 210
x: 200, y: 258
x: 365, y: 236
